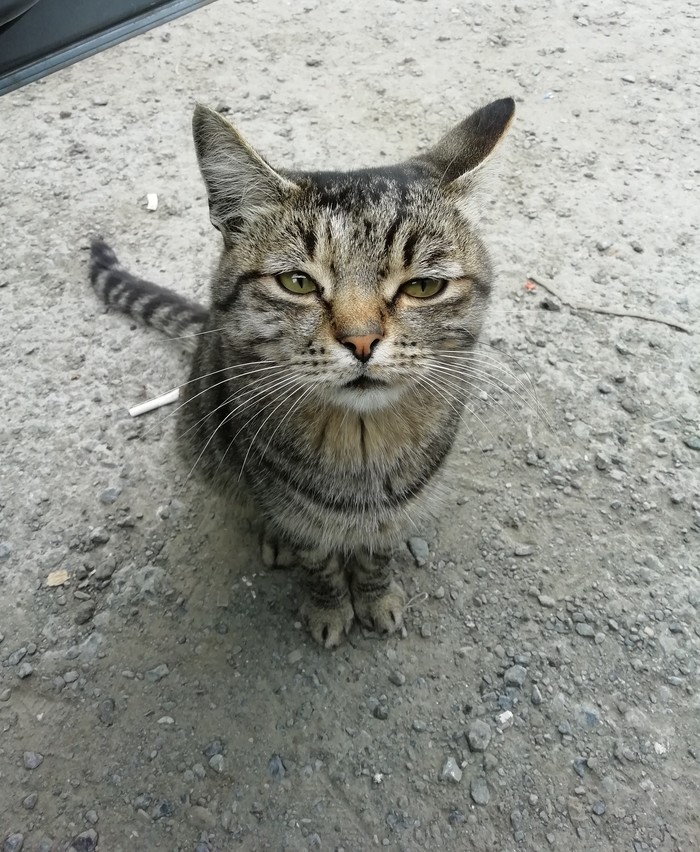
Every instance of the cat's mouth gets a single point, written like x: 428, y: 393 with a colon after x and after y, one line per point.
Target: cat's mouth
x: 365, y: 383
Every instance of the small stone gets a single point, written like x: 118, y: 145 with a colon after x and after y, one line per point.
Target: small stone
x: 630, y: 405
x: 604, y: 388
x: 212, y: 748
x: 294, y: 657
x: 24, y: 670
x: 397, y: 678
x: 142, y: 801
x: 166, y: 720
x: 110, y: 495
x: 536, y: 696
x: 217, y: 763
x: 98, y: 535
x: 419, y: 725
x: 105, y: 711
x: 548, y: 304
x: 456, y: 817
x: 515, y: 676
x: 451, y: 771
x: 71, y: 676
x: 313, y: 62
x: 85, y: 612
x: 580, y: 766
x: 32, y: 759
x: 163, y: 810
x: 13, y: 843
x: 479, y: 790
x: 479, y: 735
x: 5, y: 694
x: 602, y: 462
x: 419, y: 549
x: 16, y: 656
x: 5, y: 550
x: 504, y: 720
x: 425, y: 631
x: 91, y: 817
x: 629, y: 78
x: 577, y: 815
x: 105, y: 570
x: 584, y: 629
x: 29, y: 802
x: 276, y: 767
x: 692, y: 442
x: 381, y: 711
x: 599, y: 807
x: 637, y: 246
x: 523, y: 550
x: 546, y: 601
x: 158, y: 673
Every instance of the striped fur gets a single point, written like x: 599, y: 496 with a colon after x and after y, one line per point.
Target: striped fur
x: 341, y: 454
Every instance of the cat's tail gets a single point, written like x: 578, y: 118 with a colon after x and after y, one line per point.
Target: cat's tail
x: 153, y: 305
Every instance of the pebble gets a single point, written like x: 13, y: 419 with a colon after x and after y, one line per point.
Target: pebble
x: 523, y: 550
x: 110, y: 495
x: 212, y: 748
x: 479, y: 790
x: 91, y: 817
x: 419, y: 725
x: 479, y: 735
x: 599, y: 807
x: 381, y: 711
x: 602, y: 462
x: 13, y: 843
x: 16, y: 657
x: 276, y: 767
x: 32, y: 759
x: 536, y: 696
x: 419, y: 549
x: 71, y: 676
x: 451, y: 771
x: 85, y: 842
x: 158, y: 673
x: 163, y: 810
x: 98, y: 535
x: 24, y: 670
x: 504, y: 720
x: 397, y: 678
x: 217, y: 762
x: 629, y: 78
x: 515, y: 676
x: 5, y: 694
x: 605, y: 388
x: 85, y: 612
x: 105, y: 570
x: 142, y: 801
x: 294, y: 657
x: 584, y: 629
x: 547, y: 601
x: 29, y: 802
x: 5, y: 550
x: 692, y: 442
x: 105, y: 711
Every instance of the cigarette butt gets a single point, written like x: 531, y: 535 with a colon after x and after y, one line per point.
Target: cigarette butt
x: 158, y: 402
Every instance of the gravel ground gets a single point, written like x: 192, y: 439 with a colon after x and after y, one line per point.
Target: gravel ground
x: 156, y: 688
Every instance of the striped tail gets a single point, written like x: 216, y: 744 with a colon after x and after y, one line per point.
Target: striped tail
x: 153, y: 305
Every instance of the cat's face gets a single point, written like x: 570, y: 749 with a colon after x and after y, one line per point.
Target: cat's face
x: 355, y: 282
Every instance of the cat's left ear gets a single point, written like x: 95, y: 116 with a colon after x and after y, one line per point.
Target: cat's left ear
x: 460, y: 155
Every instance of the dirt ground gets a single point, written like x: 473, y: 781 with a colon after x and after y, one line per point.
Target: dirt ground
x: 545, y: 694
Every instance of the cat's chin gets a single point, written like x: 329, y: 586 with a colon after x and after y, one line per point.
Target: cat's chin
x: 363, y: 397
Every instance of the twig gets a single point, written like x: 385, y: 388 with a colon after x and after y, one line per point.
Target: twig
x: 613, y: 312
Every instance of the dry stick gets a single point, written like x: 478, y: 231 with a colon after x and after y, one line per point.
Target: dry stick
x: 614, y: 312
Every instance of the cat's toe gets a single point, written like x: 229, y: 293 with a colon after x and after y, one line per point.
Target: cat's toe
x: 275, y: 553
x: 381, y: 612
x: 328, y: 626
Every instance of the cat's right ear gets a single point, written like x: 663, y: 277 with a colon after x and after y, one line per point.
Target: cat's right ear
x: 240, y: 184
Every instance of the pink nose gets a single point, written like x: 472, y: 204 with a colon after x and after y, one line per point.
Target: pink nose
x: 362, y: 345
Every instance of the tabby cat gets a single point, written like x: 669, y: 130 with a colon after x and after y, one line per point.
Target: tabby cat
x: 332, y: 367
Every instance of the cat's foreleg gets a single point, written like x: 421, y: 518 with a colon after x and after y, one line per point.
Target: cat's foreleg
x: 377, y: 600
x: 327, y: 609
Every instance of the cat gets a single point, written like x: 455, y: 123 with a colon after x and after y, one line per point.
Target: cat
x: 332, y: 366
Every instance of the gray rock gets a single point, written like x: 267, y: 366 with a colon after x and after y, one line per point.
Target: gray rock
x: 523, y: 550
x: 212, y: 748
x: 479, y: 735
x: 599, y: 807
x: 32, y: 759
x: 381, y: 711
x: 98, y: 535
x: 91, y: 817
x: 584, y: 629
x: 85, y: 842
x: 451, y: 771
x: 419, y: 549
x: 479, y: 790
x: 142, y: 801
x: 605, y: 388
x: 536, y: 696
x: 295, y: 657
x: 105, y: 570
x: 163, y: 810
x: 29, y: 802
x: 419, y: 725
x: 13, y: 843
x: 217, y: 762
x: 71, y: 676
x: 158, y: 673
x: 105, y: 711
x: 85, y: 612
x: 24, y: 670
x: 5, y: 550
x: 16, y: 657
x: 692, y: 442
x: 5, y: 694
x: 397, y: 678
x: 110, y: 495
x: 276, y: 767
x: 515, y: 676
x: 546, y: 601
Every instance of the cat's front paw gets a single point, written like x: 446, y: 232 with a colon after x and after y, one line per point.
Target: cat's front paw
x: 380, y: 611
x: 275, y: 553
x: 328, y: 626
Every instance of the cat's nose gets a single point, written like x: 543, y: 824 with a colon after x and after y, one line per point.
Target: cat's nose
x: 362, y: 346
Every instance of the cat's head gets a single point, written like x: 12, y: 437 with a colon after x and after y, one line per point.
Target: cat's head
x: 354, y: 281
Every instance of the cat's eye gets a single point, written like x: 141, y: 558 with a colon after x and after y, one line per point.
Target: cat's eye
x: 423, y: 288
x: 297, y: 282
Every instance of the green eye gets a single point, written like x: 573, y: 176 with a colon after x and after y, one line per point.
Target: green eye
x: 297, y: 282
x: 423, y: 288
